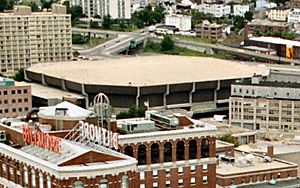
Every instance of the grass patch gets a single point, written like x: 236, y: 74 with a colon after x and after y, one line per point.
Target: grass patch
x: 153, y: 47
x: 194, y: 39
x: 233, y: 40
x: 96, y: 41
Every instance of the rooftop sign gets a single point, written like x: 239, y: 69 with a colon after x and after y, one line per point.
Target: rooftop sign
x: 99, y: 135
x: 41, y: 139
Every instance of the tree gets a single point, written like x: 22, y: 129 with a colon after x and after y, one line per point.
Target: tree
x: 248, y: 16
x: 238, y: 22
x: 76, y: 12
x: 33, y: 5
x: 3, y: 5
x: 166, y: 44
x: 230, y: 139
x: 19, y: 76
x: 133, y: 112
x: 79, y: 39
x: 280, y: 2
x: 46, y: 3
x: 107, y: 22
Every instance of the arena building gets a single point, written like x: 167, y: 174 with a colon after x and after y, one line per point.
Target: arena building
x: 194, y: 83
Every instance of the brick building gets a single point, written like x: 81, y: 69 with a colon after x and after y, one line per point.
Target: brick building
x: 177, y: 154
x: 265, y: 26
x: 210, y: 31
x: 15, y: 98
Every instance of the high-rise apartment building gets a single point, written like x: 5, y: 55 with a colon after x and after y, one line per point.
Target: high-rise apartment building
x: 114, y: 8
x: 29, y: 37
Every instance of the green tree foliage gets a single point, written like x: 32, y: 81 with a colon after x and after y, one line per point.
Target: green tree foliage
x: 6, y: 5
x: 198, y: 17
x: 133, y: 112
x: 238, y: 22
x: 76, y: 12
x: 290, y: 36
x: 33, y: 5
x: 248, y: 16
x: 107, y: 22
x: 147, y: 16
x: 46, y: 3
x: 166, y: 44
x: 79, y: 39
x: 279, y: 2
x: 19, y: 76
x: 229, y: 138
x: 94, y: 25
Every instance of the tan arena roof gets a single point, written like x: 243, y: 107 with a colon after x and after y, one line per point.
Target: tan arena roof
x: 148, y: 70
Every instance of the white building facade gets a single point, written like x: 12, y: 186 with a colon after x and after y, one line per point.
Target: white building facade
x: 182, y: 22
x: 294, y: 16
x: 217, y: 10
x: 240, y: 10
x: 278, y: 14
x: 114, y: 8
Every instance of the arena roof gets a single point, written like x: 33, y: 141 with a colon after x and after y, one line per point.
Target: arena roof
x: 148, y: 70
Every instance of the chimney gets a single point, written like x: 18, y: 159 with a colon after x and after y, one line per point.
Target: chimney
x: 270, y: 151
x: 246, y: 30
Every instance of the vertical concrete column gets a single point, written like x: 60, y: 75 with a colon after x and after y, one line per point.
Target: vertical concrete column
x: 230, y: 110
x: 22, y: 175
x: 191, y: 94
x: 212, y: 146
x: 37, y: 179
x: 161, y: 152
x: 135, y: 151
x: 15, y: 171
x: 293, y: 114
x: 254, y: 114
x: 267, y: 116
x: 280, y: 115
x: 29, y: 177
x: 165, y: 95
x: 242, y: 113
x: 138, y: 93
x: 7, y: 168
x: 45, y: 179
x: 148, y: 153
x: 174, y: 147
x: 186, y: 149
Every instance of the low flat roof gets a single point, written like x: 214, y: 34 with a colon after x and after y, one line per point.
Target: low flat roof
x: 148, y: 70
x: 45, y: 92
x: 276, y: 40
x: 257, y: 164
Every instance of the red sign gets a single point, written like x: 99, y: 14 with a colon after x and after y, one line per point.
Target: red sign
x: 41, y: 139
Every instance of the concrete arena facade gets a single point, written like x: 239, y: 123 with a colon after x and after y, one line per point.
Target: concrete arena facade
x: 198, y: 95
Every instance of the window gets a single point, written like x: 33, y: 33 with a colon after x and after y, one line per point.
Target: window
x: 4, y: 92
x: 20, y: 109
x: 14, y: 110
x: 5, y: 101
x: 125, y: 182
x: 204, y: 148
x: 141, y: 154
x: 13, y: 100
x: 25, y: 100
x: 193, y: 149
x: 180, y: 151
x: 205, y: 179
x: 103, y: 183
x: 19, y: 91
x: 19, y: 100
x: 13, y: 92
x: 167, y: 152
x: 78, y: 184
x: 154, y: 153
x: 128, y: 151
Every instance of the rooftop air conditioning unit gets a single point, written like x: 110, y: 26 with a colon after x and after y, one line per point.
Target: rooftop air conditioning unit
x: 3, y: 136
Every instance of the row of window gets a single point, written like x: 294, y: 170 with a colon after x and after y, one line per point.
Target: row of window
x: 13, y: 92
x: 13, y: 101
x: 167, y: 151
x: 14, y: 110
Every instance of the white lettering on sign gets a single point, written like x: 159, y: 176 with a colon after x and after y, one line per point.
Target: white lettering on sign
x: 99, y: 135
